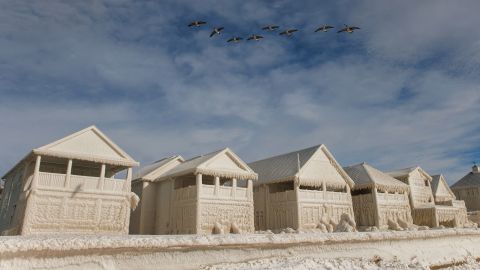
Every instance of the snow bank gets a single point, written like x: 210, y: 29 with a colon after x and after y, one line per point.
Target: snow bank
x: 192, y: 251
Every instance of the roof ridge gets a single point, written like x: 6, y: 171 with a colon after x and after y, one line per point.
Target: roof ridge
x: 289, y: 153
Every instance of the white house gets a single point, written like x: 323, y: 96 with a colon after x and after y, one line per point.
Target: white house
x: 69, y: 186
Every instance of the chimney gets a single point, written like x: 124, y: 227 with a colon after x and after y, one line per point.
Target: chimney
x: 475, y: 168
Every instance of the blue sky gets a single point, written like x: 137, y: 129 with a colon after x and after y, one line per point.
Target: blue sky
x: 402, y: 91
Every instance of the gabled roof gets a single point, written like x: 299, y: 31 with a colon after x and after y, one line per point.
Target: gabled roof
x: 87, y: 144
x: 368, y: 177
x: 292, y: 167
x: 439, y: 180
x: 472, y: 179
x: 222, y: 163
x: 405, y: 173
x: 148, y: 171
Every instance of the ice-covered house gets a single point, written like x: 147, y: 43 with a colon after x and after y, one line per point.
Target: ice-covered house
x: 301, y: 189
x: 378, y: 199
x: 422, y: 201
x: 468, y: 189
x: 443, y: 195
x: 69, y: 186
x: 207, y: 194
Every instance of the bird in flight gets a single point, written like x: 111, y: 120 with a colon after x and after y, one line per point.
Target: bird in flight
x: 216, y: 31
x: 324, y: 28
x: 288, y: 32
x: 196, y: 23
x: 255, y: 37
x: 348, y: 29
x: 234, y: 39
x: 270, y: 27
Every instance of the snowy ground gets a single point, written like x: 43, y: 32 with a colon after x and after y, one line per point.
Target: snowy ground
x: 366, y: 250
x: 309, y: 263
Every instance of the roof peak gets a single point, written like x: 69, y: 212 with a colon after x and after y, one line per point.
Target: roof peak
x: 475, y: 168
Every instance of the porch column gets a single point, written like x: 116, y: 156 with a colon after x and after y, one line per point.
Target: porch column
x: 249, y: 188
x: 198, y: 219
x: 69, y: 173
x: 234, y: 187
x: 375, y: 206
x: 127, y: 186
x: 199, y: 183
x: 324, y: 189
x: 217, y: 185
x: 36, y: 172
x: 101, y: 182
x: 296, y: 187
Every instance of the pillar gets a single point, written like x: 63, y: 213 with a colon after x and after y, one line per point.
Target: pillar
x: 36, y: 172
x: 127, y: 186
x: 234, y: 187
x: 376, y: 207
x: 249, y: 188
x: 198, y: 220
x: 296, y: 187
x: 217, y: 185
x: 324, y: 189
x: 101, y: 181
x: 69, y: 173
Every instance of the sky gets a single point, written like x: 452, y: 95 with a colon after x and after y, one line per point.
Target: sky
x: 402, y: 91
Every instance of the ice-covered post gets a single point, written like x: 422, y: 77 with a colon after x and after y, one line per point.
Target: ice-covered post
x: 217, y: 185
x: 375, y: 206
x: 36, y: 172
x: 69, y: 173
x: 234, y: 187
x: 101, y: 180
x: 128, y: 182
x: 249, y: 188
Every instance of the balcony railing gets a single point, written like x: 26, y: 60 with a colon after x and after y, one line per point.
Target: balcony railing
x: 209, y: 192
x: 78, y: 182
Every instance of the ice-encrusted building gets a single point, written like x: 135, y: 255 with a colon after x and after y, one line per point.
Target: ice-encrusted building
x: 422, y: 201
x: 301, y: 189
x: 468, y: 189
x: 443, y: 195
x: 207, y: 194
x: 69, y: 186
x: 378, y: 199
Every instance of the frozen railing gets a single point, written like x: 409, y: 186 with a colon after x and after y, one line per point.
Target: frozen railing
x: 78, y: 182
x: 209, y: 191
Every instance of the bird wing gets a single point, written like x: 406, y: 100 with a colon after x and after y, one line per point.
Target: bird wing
x: 342, y: 30
x: 220, y: 29
x: 266, y: 28
x: 318, y: 29
x: 283, y: 33
x: 293, y: 30
x: 354, y: 27
x: 202, y: 22
x: 230, y: 40
x: 249, y: 38
x: 191, y: 24
x: 259, y: 37
x: 213, y: 33
x: 328, y: 27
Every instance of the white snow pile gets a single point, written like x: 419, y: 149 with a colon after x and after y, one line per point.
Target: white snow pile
x: 12, y: 244
x: 307, y: 263
x: 310, y: 263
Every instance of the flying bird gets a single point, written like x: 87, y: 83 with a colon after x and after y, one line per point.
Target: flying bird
x: 288, y: 32
x: 270, y: 27
x: 216, y: 31
x: 324, y: 28
x: 196, y: 24
x: 255, y: 37
x: 348, y: 29
x: 234, y: 39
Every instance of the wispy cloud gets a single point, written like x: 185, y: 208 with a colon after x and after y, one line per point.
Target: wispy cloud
x: 401, y: 91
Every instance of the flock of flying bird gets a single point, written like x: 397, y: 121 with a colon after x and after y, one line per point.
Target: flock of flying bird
x: 271, y: 28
